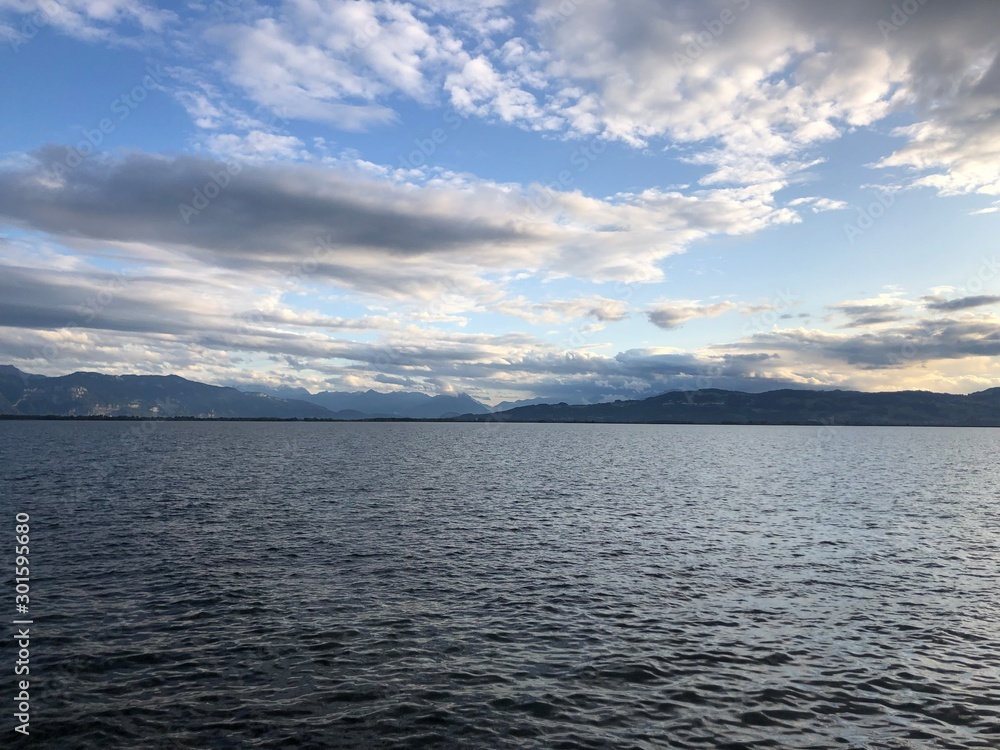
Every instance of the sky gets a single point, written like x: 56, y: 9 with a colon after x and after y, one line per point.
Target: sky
x: 578, y: 200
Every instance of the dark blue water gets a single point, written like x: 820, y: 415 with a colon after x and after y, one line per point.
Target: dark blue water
x: 214, y: 585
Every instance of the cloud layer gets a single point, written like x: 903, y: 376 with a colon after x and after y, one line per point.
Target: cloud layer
x: 272, y: 250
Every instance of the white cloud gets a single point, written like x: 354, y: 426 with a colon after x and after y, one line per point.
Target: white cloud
x: 819, y: 205
x: 86, y: 19
x: 256, y: 145
x: 602, y: 309
x: 478, y: 89
x: 332, y: 60
x: 754, y: 88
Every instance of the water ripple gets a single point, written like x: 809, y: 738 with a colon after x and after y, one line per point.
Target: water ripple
x: 543, y: 586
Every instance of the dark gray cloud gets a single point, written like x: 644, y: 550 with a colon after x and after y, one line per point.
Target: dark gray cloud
x: 674, y: 314
x: 257, y: 210
x: 341, y: 223
x: 922, y: 341
x: 50, y: 299
x: 961, y: 303
x: 666, y: 319
x: 872, y: 319
x: 862, y: 314
x: 291, y: 220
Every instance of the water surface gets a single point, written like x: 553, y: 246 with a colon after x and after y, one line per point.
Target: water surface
x: 214, y: 585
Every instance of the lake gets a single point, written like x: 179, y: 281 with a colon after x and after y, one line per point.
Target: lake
x: 341, y: 585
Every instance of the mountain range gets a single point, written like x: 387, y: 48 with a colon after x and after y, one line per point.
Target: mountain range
x: 89, y: 394
x: 373, y: 404
x: 787, y: 406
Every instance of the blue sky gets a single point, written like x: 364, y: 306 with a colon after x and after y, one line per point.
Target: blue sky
x: 580, y: 200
